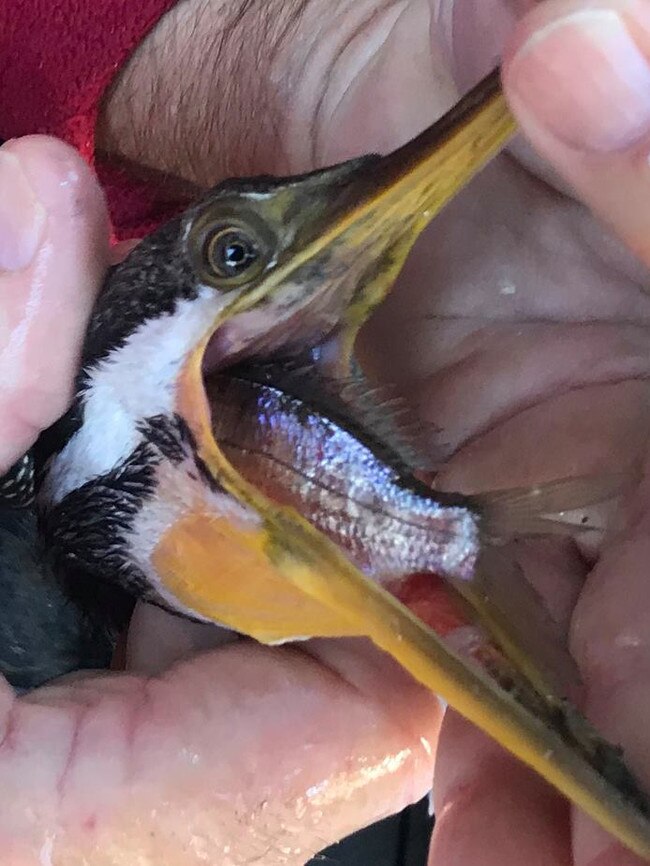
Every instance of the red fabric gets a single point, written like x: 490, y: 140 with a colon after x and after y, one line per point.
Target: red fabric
x: 57, y: 57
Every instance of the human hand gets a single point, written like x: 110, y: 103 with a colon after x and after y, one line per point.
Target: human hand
x: 177, y: 786
x: 566, y: 359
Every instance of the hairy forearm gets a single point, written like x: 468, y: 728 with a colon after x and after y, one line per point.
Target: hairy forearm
x: 234, y: 87
x: 203, y: 97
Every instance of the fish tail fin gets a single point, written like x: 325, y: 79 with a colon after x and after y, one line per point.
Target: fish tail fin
x: 555, y: 508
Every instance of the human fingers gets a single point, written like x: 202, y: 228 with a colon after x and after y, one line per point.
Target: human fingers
x: 242, y: 753
x: 490, y: 810
x: 53, y: 252
x: 610, y: 618
x: 577, y: 75
x: 282, y: 86
x: 610, y: 628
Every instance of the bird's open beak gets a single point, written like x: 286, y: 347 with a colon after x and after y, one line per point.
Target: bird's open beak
x: 263, y: 569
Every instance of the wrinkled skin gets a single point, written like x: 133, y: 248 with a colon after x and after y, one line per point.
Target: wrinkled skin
x: 528, y: 354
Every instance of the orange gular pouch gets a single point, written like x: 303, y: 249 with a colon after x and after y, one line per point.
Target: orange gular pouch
x: 226, y: 573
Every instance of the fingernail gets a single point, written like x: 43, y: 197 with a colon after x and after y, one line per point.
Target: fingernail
x: 584, y: 78
x: 22, y: 216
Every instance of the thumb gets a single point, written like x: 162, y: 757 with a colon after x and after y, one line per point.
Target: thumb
x: 577, y: 75
x: 53, y: 251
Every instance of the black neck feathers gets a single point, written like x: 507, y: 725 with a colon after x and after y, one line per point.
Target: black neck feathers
x: 148, y: 284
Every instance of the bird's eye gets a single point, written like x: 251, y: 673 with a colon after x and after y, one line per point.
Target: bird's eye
x: 231, y: 252
x: 229, y: 249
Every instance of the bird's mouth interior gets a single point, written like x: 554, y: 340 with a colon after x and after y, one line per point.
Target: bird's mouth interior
x: 316, y: 372
x: 311, y: 340
x: 354, y: 226
x: 311, y: 374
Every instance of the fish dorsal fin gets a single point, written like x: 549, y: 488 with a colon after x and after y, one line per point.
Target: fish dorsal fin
x: 381, y: 410
x: 375, y: 415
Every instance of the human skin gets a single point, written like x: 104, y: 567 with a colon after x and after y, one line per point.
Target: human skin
x: 528, y: 355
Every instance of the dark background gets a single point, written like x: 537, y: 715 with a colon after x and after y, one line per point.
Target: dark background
x: 401, y: 840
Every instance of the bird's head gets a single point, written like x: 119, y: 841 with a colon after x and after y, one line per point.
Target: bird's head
x: 263, y: 268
